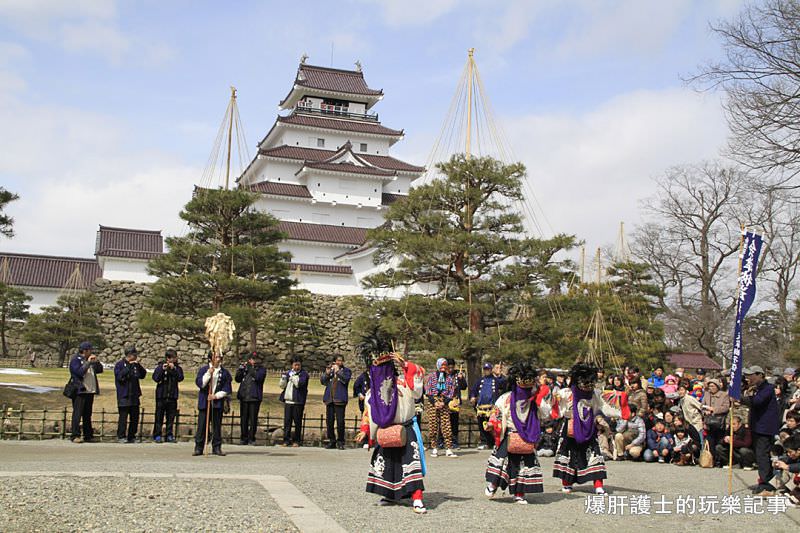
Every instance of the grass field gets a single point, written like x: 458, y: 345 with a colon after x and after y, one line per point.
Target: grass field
x: 57, y: 377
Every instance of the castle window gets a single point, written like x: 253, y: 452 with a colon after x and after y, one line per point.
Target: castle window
x: 320, y: 142
x: 363, y: 147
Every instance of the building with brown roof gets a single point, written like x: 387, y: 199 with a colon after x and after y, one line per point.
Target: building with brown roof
x: 325, y: 171
x: 123, y: 253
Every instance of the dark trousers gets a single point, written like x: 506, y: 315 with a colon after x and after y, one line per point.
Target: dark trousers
x: 216, y: 429
x: 293, y: 416
x: 762, y: 445
x: 168, y: 408
x: 741, y: 456
x: 82, y: 409
x: 454, y: 427
x: 487, y: 436
x: 335, y: 410
x: 714, y: 438
x: 128, y: 422
x: 248, y: 420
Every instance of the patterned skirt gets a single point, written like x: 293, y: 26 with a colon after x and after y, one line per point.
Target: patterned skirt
x: 395, y: 473
x: 519, y: 474
x: 578, y: 463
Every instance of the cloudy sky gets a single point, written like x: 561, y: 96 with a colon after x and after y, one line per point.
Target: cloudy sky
x: 109, y: 108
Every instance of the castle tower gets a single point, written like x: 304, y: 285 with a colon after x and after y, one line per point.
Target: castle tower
x: 325, y: 172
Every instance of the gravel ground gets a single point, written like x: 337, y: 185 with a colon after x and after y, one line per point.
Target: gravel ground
x: 335, y: 481
x: 128, y: 504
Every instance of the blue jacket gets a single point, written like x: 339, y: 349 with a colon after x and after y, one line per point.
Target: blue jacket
x: 167, y: 381
x: 126, y: 378
x: 224, y: 384
x: 361, y: 385
x: 252, y: 376
x: 300, y: 392
x: 338, y: 383
x: 78, y: 367
x: 494, y: 388
x: 656, y: 381
x: 653, y: 438
x: 763, y: 410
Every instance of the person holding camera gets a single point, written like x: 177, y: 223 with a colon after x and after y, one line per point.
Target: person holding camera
x: 294, y: 390
x: 214, y: 382
x: 251, y: 376
x: 83, y: 370
x: 335, y: 378
x: 760, y: 398
x: 127, y: 373
x: 167, y: 375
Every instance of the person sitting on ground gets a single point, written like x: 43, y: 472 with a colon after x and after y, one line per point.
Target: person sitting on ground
x: 743, y: 454
x: 605, y: 436
x: 787, y: 467
x: 790, y: 427
x: 548, y: 440
x: 682, y: 453
x: 659, y: 443
x: 693, y: 434
x: 630, y: 436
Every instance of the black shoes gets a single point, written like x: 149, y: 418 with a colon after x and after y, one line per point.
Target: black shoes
x: 197, y: 452
x: 340, y: 446
x: 218, y: 451
x: 331, y: 446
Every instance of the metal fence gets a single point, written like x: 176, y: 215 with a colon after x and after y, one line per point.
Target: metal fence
x: 20, y: 423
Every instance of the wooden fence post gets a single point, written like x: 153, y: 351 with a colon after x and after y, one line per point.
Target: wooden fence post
x: 64, y: 425
x: 21, y: 420
x: 44, y: 419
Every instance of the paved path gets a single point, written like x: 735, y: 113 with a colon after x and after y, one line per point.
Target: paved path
x: 322, y: 490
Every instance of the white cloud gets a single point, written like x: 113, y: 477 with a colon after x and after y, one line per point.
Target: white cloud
x: 590, y: 170
x: 74, y: 170
x: 82, y: 26
x: 412, y: 12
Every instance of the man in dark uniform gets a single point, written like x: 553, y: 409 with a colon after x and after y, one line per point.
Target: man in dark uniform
x: 127, y: 373
x: 335, y: 378
x: 214, y: 380
x: 167, y: 375
x: 83, y: 370
x: 760, y: 398
x: 484, y: 393
x: 251, y: 376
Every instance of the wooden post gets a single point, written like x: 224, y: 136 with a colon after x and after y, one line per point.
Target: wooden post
x: 102, y: 424
x: 3, y: 422
x: 21, y: 420
x: 141, y: 424
x: 177, y: 424
x: 730, y: 444
x: 64, y: 425
x: 44, y: 420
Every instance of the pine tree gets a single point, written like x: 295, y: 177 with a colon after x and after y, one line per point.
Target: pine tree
x: 459, y: 238
x: 228, y: 262
x: 13, y: 306
x: 75, y: 318
x: 291, y: 324
x: 6, y: 222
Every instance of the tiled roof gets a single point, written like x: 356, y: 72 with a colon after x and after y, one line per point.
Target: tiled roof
x: 302, y: 231
x: 48, y: 271
x: 333, y: 79
x: 281, y: 189
x: 129, y: 243
x: 350, y: 168
x: 693, y: 360
x: 315, y: 154
x: 389, y: 198
x: 338, y: 124
x: 324, y: 269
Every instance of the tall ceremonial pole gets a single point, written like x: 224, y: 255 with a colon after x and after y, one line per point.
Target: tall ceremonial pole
x: 746, y: 295
x: 730, y: 409
x: 219, y: 332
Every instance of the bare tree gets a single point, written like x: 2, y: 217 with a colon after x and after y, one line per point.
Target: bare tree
x: 690, y: 241
x: 761, y: 76
x: 781, y: 256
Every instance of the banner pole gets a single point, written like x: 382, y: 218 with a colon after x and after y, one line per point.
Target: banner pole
x: 730, y: 410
